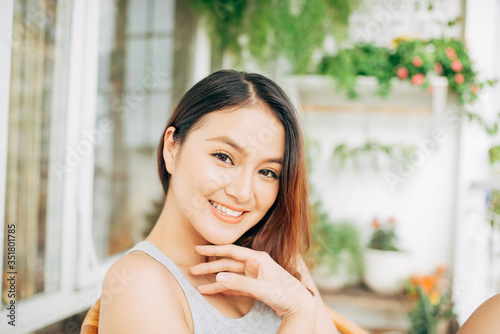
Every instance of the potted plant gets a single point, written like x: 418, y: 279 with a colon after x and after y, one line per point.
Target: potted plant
x: 494, y: 154
x: 409, y: 59
x: 416, y: 61
x: 336, y: 252
x: 433, y: 306
x: 386, y: 265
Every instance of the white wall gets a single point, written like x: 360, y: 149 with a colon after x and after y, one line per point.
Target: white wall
x: 472, y: 266
x: 440, y: 207
x: 422, y: 200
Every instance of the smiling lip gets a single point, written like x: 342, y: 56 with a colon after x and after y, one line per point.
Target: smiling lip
x: 225, y: 218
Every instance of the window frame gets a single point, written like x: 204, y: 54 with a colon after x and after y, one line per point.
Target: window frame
x: 6, y: 19
x: 80, y: 272
x: 88, y: 271
x: 71, y: 296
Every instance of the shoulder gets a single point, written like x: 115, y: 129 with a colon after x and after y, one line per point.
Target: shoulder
x: 140, y: 295
x: 485, y: 318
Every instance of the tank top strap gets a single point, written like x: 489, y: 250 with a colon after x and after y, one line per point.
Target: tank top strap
x: 153, y: 251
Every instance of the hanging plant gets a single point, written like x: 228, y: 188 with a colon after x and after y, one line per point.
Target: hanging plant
x: 411, y: 60
x: 364, y: 59
x: 369, y: 155
x: 273, y: 28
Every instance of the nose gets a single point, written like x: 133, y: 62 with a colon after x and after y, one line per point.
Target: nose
x: 240, y: 186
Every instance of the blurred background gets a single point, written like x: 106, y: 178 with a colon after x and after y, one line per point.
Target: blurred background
x: 398, y: 101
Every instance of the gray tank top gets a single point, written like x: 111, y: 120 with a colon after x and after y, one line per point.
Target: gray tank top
x: 207, y: 319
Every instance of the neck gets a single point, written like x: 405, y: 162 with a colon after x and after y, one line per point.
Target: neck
x: 175, y: 236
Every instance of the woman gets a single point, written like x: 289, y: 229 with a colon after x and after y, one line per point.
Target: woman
x: 485, y: 319
x: 225, y: 253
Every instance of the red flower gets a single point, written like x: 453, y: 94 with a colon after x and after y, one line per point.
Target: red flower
x: 418, y: 79
x: 375, y: 223
x: 392, y: 221
x: 417, y: 61
x: 475, y: 89
x: 438, y: 68
x: 450, y: 53
x: 441, y: 270
x: 402, y: 73
x: 456, y: 65
x: 459, y: 78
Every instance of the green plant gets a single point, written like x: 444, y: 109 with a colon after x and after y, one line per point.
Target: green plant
x: 370, y: 151
x: 384, y: 235
x: 494, y: 153
x: 425, y: 316
x: 432, y: 301
x: 414, y: 60
x: 363, y: 59
x: 273, y: 28
x: 493, y: 202
x: 411, y: 59
x: 331, y: 240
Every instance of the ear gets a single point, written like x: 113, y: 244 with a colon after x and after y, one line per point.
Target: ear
x: 169, y: 149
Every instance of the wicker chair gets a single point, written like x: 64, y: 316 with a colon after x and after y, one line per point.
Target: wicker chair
x: 91, y: 322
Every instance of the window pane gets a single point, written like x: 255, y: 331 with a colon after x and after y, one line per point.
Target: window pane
x: 164, y: 16
x: 36, y: 144
x: 163, y: 59
x: 161, y: 103
x: 136, y: 63
x: 134, y: 96
x: 137, y: 20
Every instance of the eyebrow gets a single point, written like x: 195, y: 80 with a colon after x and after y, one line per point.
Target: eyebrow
x: 237, y: 147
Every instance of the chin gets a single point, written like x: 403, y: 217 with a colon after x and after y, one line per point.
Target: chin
x: 218, y: 235
x: 221, y: 240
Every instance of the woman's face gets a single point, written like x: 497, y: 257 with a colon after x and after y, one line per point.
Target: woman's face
x: 226, y: 176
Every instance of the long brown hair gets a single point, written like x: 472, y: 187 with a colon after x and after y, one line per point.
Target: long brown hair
x: 283, y: 232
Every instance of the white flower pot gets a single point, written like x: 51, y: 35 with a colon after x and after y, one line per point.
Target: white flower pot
x: 386, y: 271
x: 328, y: 280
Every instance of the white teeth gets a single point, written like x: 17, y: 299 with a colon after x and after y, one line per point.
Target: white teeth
x: 226, y: 211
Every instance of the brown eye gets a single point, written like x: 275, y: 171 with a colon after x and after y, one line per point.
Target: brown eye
x: 223, y: 157
x: 269, y: 173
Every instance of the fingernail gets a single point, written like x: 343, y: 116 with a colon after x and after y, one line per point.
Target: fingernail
x: 222, y: 278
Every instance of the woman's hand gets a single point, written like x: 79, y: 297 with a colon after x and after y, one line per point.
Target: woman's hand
x: 244, y: 271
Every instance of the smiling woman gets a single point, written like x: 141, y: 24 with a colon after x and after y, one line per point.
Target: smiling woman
x: 226, y: 252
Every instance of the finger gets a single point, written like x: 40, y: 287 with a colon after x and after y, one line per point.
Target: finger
x: 218, y: 266
x: 251, y: 286
x: 236, y: 252
x: 213, y: 288
x: 235, y: 293
x: 210, y: 289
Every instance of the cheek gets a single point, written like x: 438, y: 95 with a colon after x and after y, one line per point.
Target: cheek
x: 208, y: 178
x: 191, y: 184
x: 267, y: 193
